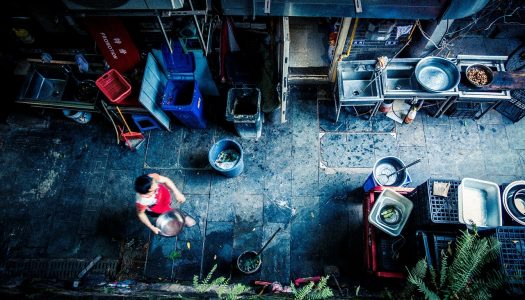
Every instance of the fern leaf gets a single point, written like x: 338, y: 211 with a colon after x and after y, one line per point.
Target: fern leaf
x: 444, y: 269
x: 433, y: 276
x: 304, y: 291
x: 208, y: 277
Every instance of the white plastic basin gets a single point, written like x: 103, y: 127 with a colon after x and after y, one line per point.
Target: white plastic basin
x: 387, y: 198
x: 479, y: 203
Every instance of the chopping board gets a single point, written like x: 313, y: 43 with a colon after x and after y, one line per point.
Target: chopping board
x: 502, y: 81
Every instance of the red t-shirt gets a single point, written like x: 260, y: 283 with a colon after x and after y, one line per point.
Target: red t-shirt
x: 162, y: 203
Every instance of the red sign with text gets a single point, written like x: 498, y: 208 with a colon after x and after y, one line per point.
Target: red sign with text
x: 114, y: 42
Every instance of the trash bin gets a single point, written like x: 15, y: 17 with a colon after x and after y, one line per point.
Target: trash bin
x: 243, y: 108
x: 182, y: 97
x: 382, y: 168
x: 226, y: 157
x: 184, y: 101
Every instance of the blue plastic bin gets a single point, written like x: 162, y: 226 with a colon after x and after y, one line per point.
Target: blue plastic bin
x: 182, y: 97
x: 217, y: 148
x: 371, y: 183
x: 183, y: 100
x: 178, y: 61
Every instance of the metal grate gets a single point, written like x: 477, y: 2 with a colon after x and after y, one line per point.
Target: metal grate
x: 512, y: 253
x: 64, y: 269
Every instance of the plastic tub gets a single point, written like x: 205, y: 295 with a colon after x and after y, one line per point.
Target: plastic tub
x: 225, y: 146
x: 479, y: 202
x: 114, y: 86
x: 390, y: 198
x: 183, y: 100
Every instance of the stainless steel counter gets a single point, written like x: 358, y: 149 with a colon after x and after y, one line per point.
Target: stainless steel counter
x: 360, y: 84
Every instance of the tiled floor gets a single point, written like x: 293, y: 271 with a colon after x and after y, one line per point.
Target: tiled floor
x: 303, y: 176
x: 69, y: 187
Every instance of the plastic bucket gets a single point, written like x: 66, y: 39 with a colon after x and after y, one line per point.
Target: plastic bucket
x: 226, y: 147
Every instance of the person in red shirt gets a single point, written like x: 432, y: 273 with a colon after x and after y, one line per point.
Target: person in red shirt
x: 153, y: 196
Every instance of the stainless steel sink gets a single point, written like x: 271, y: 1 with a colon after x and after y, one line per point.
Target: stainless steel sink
x: 399, y: 82
x: 45, y: 83
x: 55, y: 86
x: 358, y: 83
x: 400, y: 79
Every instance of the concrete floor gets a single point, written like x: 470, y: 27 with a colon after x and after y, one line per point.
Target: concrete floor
x: 69, y: 186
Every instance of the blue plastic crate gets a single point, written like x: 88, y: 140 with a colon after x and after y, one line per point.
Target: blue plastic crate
x: 178, y: 61
x: 183, y: 100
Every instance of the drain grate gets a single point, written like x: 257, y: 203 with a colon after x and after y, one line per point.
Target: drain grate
x: 65, y: 269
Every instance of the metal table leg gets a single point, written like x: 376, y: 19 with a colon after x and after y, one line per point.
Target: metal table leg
x: 444, y: 107
x: 488, y: 109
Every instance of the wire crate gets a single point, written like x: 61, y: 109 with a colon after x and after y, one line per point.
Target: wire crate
x: 114, y: 86
x: 512, y: 253
x: 430, y: 209
x: 466, y: 110
x: 513, y: 109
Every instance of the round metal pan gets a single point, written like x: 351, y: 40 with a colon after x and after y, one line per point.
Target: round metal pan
x: 436, y: 74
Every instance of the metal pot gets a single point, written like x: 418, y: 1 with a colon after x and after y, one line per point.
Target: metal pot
x: 386, y: 166
x: 436, y: 74
x: 488, y: 72
x: 170, y: 223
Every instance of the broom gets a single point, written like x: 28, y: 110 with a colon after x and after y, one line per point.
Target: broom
x: 132, y: 139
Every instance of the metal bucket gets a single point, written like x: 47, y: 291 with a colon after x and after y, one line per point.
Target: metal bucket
x: 249, y: 262
x: 388, y: 165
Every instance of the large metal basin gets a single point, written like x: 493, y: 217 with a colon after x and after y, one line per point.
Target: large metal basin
x: 436, y: 74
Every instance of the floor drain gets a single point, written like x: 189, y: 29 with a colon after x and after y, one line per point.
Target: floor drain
x: 65, y: 269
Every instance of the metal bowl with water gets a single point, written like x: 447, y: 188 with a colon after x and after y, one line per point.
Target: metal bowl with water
x: 436, y: 74
x: 385, y: 167
x: 170, y: 223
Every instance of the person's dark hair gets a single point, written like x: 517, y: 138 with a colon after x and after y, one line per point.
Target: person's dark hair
x: 143, y: 184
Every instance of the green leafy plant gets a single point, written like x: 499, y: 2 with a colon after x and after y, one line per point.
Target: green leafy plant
x: 312, y: 291
x: 219, y: 285
x: 465, y: 274
x: 174, y: 255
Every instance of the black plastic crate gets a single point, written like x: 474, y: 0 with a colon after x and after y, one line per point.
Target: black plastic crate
x: 432, y: 243
x: 442, y: 242
x: 513, y: 109
x: 467, y: 110
x: 389, y: 253
x: 430, y: 209
x: 512, y: 253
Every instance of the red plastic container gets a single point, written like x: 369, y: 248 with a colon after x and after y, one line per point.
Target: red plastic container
x: 114, y: 86
x: 371, y: 251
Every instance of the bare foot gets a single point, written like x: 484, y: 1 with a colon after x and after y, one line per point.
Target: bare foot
x: 189, y: 221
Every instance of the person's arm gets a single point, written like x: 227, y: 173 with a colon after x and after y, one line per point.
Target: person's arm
x: 178, y: 195
x: 144, y: 219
